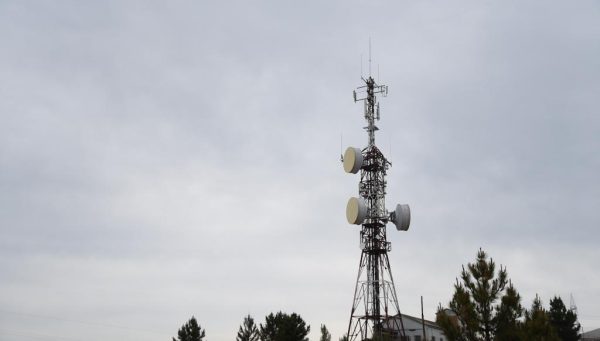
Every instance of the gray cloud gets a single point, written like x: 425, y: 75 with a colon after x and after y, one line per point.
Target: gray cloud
x: 164, y: 160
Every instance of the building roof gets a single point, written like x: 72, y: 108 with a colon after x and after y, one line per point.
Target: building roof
x: 592, y: 334
x: 417, y: 320
x: 428, y: 323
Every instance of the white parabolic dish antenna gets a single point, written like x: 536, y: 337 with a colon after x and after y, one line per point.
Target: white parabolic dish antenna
x: 401, y: 217
x: 353, y: 160
x: 356, y: 210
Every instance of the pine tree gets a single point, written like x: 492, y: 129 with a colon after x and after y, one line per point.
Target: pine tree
x: 325, y: 336
x: 508, y: 312
x: 190, y: 331
x: 284, y: 327
x: 564, y: 321
x: 536, y: 326
x: 474, y: 314
x: 248, y: 330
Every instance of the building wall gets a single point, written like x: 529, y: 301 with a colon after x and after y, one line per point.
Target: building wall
x: 413, y: 329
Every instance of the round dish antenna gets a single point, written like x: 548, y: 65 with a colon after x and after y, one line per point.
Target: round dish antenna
x: 356, y: 210
x: 353, y: 160
x: 401, y: 217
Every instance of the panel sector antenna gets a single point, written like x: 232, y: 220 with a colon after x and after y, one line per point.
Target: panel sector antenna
x: 375, y: 312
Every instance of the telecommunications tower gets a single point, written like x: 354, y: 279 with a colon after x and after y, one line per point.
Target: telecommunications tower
x: 375, y: 312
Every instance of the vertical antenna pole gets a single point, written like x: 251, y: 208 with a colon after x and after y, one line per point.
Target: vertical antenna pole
x: 423, y: 320
x: 391, y: 155
x: 369, y: 56
x: 341, y: 142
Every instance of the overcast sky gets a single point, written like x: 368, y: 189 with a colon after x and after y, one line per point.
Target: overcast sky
x: 160, y: 160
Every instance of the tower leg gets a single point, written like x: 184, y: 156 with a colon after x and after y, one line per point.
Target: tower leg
x: 375, y: 313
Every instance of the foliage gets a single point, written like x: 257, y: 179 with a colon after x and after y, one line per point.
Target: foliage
x: 344, y: 338
x: 248, y: 330
x: 474, y: 313
x: 325, y: 336
x: 508, y: 312
x: 564, y: 321
x: 537, y: 324
x: 284, y: 327
x: 190, y: 331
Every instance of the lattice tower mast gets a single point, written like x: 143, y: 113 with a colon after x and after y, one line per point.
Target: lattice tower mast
x: 375, y: 311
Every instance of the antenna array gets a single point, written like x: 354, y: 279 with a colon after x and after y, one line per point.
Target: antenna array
x: 375, y: 312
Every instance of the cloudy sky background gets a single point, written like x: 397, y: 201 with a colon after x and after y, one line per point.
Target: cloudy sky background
x: 161, y: 160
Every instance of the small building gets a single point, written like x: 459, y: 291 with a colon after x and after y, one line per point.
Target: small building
x: 592, y: 335
x: 413, y: 329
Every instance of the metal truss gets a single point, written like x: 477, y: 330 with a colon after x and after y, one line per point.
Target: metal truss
x: 375, y: 305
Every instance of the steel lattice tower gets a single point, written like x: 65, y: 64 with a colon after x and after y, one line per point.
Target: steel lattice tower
x: 375, y: 311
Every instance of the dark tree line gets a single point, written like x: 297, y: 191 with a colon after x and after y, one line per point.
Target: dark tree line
x: 486, y: 306
x: 277, y: 327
